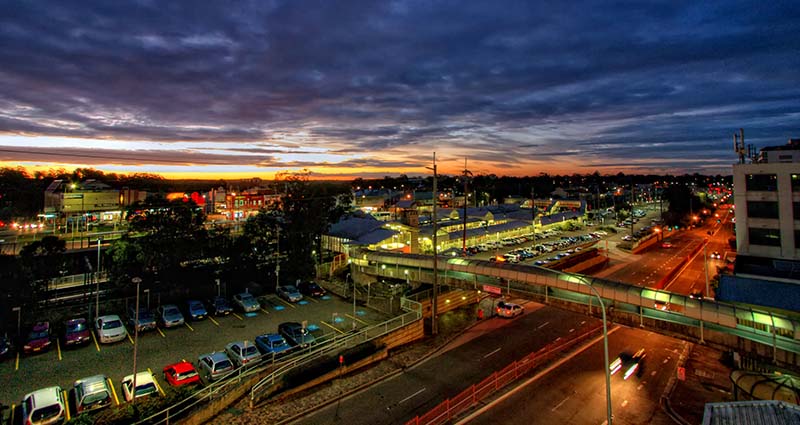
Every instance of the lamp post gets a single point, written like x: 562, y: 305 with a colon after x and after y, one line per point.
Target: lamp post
x: 705, y: 268
x: 609, y: 415
x: 137, y: 281
x: 19, y: 318
x: 97, y: 282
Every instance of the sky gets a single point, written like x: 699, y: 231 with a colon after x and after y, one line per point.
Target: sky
x: 350, y: 88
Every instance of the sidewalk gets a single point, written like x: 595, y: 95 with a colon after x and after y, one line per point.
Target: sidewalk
x: 707, y: 381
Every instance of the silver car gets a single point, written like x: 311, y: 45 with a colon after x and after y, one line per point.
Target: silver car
x: 92, y: 393
x: 243, y: 353
x: 110, y: 329
x: 247, y: 302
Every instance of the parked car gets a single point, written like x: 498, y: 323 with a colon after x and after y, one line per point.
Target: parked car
x: 145, y: 385
x: 632, y: 363
x: 196, y: 310
x: 169, y: 315
x: 147, y: 322
x: 44, y: 407
x: 110, y: 329
x: 38, y: 338
x: 247, y: 302
x: 181, y: 373
x: 219, y: 306
x: 5, y: 346
x: 92, y: 393
x: 243, y: 353
x: 505, y: 309
x: 214, y: 365
x: 296, y: 335
x: 289, y: 293
x: 311, y: 289
x: 272, y: 345
x: 76, y: 332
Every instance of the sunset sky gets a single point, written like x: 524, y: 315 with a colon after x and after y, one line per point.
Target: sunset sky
x: 220, y: 89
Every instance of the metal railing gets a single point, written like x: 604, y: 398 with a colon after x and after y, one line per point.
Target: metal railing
x: 475, y: 394
x: 327, y: 343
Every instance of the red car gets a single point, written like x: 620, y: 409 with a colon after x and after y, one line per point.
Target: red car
x: 38, y: 339
x: 181, y: 373
x: 76, y: 332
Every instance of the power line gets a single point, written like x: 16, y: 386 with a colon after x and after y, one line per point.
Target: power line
x: 76, y: 155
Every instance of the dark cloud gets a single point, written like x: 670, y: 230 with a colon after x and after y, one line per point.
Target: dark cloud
x: 579, y: 82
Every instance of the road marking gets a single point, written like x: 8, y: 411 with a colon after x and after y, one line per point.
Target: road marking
x: 665, y: 361
x: 58, y: 347
x: 287, y: 303
x: 155, y: 381
x: 411, y: 396
x: 212, y: 319
x: 161, y: 332
x: 357, y: 319
x: 66, y: 404
x: 16, y: 364
x: 113, y: 391
x: 653, y: 373
x: 639, y: 387
x: 572, y: 330
x: 187, y: 325
x: 559, y: 404
x: 237, y: 316
x: 331, y: 326
x: 542, y: 325
x: 96, y: 345
x: 130, y: 339
x: 493, y: 352
x: 624, y: 403
x: 265, y: 311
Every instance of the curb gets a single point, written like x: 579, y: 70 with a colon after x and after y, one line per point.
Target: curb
x: 673, y: 381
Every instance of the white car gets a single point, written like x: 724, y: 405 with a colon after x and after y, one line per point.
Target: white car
x: 110, y: 329
x: 505, y: 309
x: 145, y: 385
x: 44, y: 407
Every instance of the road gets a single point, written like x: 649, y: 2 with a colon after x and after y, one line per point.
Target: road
x: 487, y: 347
x: 574, y: 393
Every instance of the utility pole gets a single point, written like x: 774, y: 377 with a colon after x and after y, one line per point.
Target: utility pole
x: 434, y: 324
x: 278, y: 258
x: 467, y: 173
x: 533, y: 209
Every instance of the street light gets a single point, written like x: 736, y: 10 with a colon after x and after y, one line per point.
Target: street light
x: 137, y: 281
x: 609, y: 415
x: 19, y: 318
x: 97, y: 282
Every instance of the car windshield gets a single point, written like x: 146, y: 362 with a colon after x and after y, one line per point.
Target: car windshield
x: 145, y: 389
x: 145, y: 316
x: 37, y: 335
x: 185, y: 375
x: 112, y: 324
x: 195, y: 305
x: 172, y: 311
x: 97, y: 397
x: 225, y: 364
x: 247, y: 298
x: 47, y: 412
x: 76, y: 326
x: 221, y: 302
x: 290, y: 289
x: 250, y: 350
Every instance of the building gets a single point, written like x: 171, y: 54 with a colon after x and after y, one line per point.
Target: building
x: 84, y: 202
x: 767, y: 205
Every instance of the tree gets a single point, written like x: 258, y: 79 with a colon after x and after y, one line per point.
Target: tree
x: 41, y: 261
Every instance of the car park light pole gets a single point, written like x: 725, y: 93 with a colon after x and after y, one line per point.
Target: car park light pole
x: 19, y: 318
x: 137, y: 281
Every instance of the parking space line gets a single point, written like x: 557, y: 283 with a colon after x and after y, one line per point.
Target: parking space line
x: 356, y: 319
x: 237, y: 316
x: 187, y: 325
x: 161, y: 332
x: 96, y: 345
x: 287, y: 303
x: 331, y: 326
x: 265, y: 311
x: 311, y: 299
x: 113, y: 391
x: 58, y: 348
x: 16, y: 364
x: 155, y: 381
x: 130, y: 339
x: 212, y: 319
x: 66, y: 404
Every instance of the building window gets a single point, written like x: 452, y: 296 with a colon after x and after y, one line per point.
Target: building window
x: 762, y: 209
x: 795, y: 183
x: 768, y: 237
x: 762, y: 182
x: 797, y: 238
x: 796, y: 208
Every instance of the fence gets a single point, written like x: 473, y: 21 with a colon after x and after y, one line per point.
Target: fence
x: 476, y: 393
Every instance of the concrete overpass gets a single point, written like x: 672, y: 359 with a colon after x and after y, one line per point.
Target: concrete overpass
x: 744, y: 329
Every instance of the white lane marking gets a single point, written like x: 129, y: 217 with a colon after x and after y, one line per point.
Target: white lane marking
x: 639, y: 387
x: 559, y: 404
x: 542, y: 325
x: 653, y: 373
x: 487, y: 355
x: 411, y: 396
x: 572, y: 330
x: 624, y: 403
x: 583, y: 322
x: 665, y: 361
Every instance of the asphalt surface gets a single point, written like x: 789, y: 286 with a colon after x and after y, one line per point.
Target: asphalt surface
x: 157, y: 349
x: 487, y: 347
x: 575, y: 392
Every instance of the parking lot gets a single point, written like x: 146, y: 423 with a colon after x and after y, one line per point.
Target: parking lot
x: 156, y: 349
